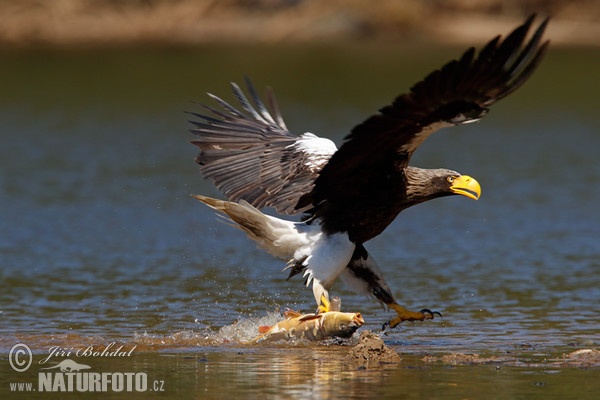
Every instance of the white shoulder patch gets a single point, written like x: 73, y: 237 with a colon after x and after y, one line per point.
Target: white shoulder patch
x: 311, y: 143
x: 317, y: 151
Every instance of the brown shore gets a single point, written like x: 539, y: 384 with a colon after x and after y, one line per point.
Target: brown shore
x: 82, y: 23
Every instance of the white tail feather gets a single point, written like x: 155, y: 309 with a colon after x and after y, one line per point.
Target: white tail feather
x: 278, y: 237
x: 324, y: 257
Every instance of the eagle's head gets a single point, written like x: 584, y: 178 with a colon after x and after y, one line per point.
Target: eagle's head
x: 427, y: 184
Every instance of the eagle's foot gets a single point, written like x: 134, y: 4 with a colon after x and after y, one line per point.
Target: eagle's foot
x: 406, y: 315
x: 325, y: 305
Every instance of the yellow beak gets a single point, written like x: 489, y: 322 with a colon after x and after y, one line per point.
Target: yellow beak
x: 466, y: 186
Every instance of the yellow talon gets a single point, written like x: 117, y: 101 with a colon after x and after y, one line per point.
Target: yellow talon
x: 325, y: 305
x: 406, y: 315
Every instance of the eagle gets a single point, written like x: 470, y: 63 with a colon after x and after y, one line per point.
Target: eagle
x: 347, y: 196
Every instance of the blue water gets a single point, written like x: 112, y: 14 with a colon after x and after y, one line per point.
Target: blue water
x: 100, y: 238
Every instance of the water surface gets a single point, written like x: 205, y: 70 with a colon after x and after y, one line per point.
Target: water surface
x: 101, y: 242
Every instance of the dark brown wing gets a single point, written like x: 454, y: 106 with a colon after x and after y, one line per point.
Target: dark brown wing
x: 251, y: 155
x: 458, y: 93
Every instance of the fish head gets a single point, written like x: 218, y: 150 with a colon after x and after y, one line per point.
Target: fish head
x: 342, y: 324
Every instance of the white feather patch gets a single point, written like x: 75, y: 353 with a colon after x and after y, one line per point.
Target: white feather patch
x: 329, y: 256
x: 317, y: 150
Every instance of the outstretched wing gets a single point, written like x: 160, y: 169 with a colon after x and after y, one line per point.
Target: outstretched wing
x: 251, y: 155
x: 460, y: 92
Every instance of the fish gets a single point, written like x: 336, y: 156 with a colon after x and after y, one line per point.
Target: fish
x: 312, y: 327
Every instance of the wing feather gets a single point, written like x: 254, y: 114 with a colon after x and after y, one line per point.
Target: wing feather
x: 250, y: 154
x: 459, y: 92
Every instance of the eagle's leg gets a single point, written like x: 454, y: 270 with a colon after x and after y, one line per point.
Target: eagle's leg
x: 406, y: 315
x: 363, y: 275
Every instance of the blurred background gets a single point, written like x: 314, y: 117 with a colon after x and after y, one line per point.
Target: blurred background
x: 110, y: 22
x: 100, y: 238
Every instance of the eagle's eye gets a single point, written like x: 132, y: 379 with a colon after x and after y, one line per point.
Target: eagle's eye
x: 450, y: 179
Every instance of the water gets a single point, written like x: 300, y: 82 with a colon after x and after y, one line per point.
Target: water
x: 101, y: 243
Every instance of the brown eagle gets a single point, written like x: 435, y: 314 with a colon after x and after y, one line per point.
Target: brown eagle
x: 349, y: 195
